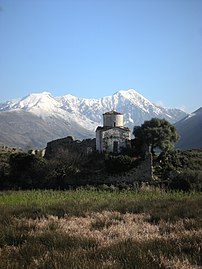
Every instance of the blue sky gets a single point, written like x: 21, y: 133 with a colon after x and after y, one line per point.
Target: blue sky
x: 93, y: 48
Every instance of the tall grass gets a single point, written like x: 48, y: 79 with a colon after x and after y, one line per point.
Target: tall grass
x: 46, y: 197
x: 89, y: 228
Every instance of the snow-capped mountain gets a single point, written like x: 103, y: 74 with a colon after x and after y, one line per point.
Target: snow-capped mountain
x: 134, y: 106
x: 45, y: 106
x: 190, y: 130
x: 70, y: 115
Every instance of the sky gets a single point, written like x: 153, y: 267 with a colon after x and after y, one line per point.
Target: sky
x: 94, y: 48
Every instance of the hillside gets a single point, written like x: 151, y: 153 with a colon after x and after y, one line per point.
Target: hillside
x: 26, y: 130
x: 190, y: 130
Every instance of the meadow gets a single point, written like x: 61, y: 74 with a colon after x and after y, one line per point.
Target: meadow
x: 90, y: 228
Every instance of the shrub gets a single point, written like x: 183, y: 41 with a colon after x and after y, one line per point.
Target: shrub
x: 118, y: 164
x: 187, y: 180
x: 27, y: 171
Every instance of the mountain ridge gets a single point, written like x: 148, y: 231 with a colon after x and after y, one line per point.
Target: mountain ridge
x: 70, y: 115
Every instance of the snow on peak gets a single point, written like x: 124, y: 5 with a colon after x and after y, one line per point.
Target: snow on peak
x: 131, y: 95
x: 129, y: 92
x: 42, y: 100
x: 88, y: 112
x: 137, y: 100
x: 41, y: 104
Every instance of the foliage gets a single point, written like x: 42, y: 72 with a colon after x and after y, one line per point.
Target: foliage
x: 182, y: 170
x: 174, y: 169
x: 119, y: 164
x: 155, y: 133
x: 26, y: 171
x: 61, y: 169
x: 187, y: 180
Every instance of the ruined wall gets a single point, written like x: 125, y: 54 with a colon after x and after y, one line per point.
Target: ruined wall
x: 38, y: 152
x: 69, y: 145
x: 142, y: 173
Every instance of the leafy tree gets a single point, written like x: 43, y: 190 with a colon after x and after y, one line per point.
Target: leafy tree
x: 155, y: 133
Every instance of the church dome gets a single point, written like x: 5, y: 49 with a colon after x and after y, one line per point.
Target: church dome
x: 113, y: 119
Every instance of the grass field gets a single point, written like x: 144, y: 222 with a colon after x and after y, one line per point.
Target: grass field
x: 89, y: 228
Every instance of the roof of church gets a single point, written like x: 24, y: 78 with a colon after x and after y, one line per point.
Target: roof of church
x: 113, y: 112
x: 105, y: 128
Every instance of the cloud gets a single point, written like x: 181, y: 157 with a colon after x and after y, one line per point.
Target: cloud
x: 159, y: 103
x: 162, y: 104
x: 183, y: 108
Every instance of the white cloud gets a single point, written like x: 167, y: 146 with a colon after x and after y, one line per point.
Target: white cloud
x: 159, y: 103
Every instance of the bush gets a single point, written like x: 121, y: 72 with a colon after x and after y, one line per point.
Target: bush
x: 26, y: 171
x: 180, y: 170
x: 187, y: 180
x: 118, y: 164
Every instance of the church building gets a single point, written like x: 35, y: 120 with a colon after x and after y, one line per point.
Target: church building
x: 112, y: 136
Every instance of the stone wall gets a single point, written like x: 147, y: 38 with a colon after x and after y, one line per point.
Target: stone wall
x: 142, y: 173
x: 69, y: 145
x: 37, y: 152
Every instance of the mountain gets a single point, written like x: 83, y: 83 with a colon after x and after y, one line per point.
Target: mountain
x: 135, y: 107
x: 34, y: 120
x: 25, y: 130
x: 190, y: 130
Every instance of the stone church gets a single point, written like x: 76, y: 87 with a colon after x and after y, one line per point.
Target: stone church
x: 113, y: 135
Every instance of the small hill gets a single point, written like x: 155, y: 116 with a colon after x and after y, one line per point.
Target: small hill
x: 190, y: 130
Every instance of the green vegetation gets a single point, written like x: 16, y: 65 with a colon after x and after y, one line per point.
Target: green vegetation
x: 119, y: 164
x: 180, y: 170
x: 106, y: 194
x: 155, y: 133
x: 172, y: 169
x: 93, y: 228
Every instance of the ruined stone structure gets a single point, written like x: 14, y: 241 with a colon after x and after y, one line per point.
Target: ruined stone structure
x: 69, y: 145
x: 113, y: 135
x: 38, y: 152
x: 143, y: 172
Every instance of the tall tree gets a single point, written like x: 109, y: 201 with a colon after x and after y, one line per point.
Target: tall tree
x: 155, y: 133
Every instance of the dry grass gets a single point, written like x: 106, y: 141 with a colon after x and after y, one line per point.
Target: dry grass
x: 97, y: 232
x: 167, y: 236
x: 105, y: 227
